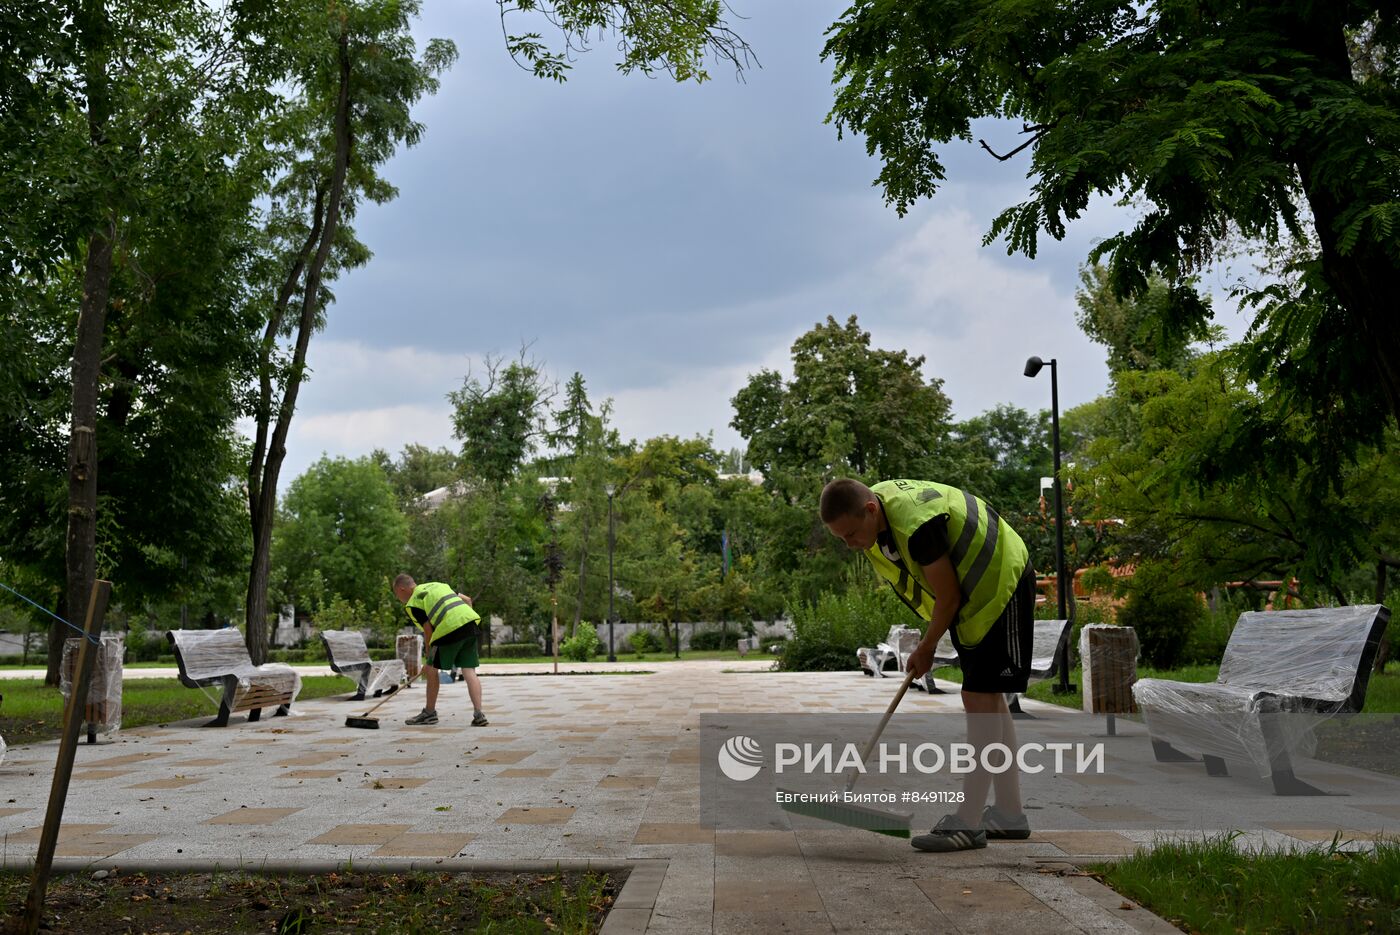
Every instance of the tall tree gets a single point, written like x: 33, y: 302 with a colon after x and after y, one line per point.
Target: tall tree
x: 848, y: 407
x: 341, y: 519
x: 1221, y: 119
x: 128, y: 130
x: 359, y: 75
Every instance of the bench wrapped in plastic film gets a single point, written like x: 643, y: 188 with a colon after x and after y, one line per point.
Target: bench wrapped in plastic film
x: 102, y: 712
x: 1283, y: 672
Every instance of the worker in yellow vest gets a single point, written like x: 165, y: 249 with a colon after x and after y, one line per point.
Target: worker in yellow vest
x: 450, y: 635
x: 965, y: 571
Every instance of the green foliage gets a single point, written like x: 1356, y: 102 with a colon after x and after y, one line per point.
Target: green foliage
x: 673, y: 36
x: 515, y: 650
x: 583, y: 645
x: 1219, y: 120
x: 1135, y: 329
x: 715, y: 638
x: 500, y: 418
x: 645, y: 641
x: 827, y: 632
x: 848, y: 409
x: 1163, y: 612
x: 341, y: 521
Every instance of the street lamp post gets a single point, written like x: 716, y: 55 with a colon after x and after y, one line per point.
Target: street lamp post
x: 612, y: 657
x: 1033, y: 367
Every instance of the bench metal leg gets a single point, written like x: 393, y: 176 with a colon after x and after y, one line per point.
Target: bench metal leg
x: 1285, y: 783
x: 1166, y: 753
x: 1215, y: 766
x: 1014, y: 706
x: 360, y: 696
x: 254, y: 714
x: 222, y: 719
x: 282, y: 710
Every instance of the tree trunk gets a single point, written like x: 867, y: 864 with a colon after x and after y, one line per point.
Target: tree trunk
x: 81, y: 553
x: 1363, y: 276
x: 263, y: 473
x: 582, y: 574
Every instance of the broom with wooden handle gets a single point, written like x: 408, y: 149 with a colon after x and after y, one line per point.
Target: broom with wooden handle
x: 894, y: 824
x: 372, y: 723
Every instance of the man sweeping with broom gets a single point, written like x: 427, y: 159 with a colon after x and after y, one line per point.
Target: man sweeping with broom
x: 962, y: 568
x: 449, y: 630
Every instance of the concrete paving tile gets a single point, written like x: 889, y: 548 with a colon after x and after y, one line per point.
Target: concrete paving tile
x: 174, y: 782
x: 125, y: 760
x: 1318, y: 834
x: 1126, y: 914
x: 1119, y: 813
x: 252, y: 816
x: 536, y: 816
x: 99, y: 775
x: 7, y: 812
x: 1089, y: 843
x: 500, y: 757
x: 765, y: 923
x: 360, y: 834
x: 526, y: 773
x: 965, y: 896
x: 673, y: 833
x: 417, y: 844
x: 199, y: 761
x: 756, y: 844
x: 766, y: 895
x: 100, y: 845
x: 393, y: 784
x: 66, y: 831
x: 632, y: 783
x: 1389, y: 810
x: 312, y: 773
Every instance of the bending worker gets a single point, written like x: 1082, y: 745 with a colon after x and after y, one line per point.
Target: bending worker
x: 962, y: 568
x: 449, y: 625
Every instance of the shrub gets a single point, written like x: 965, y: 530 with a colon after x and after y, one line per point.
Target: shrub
x: 1163, y: 612
x: 645, y: 641
x: 583, y: 645
x: 767, y: 643
x: 827, y: 631
x: 710, y: 640
x: 1205, y: 645
x: 815, y: 655
x: 515, y: 650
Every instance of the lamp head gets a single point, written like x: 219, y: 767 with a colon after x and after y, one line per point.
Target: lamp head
x: 608, y: 489
x: 1033, y: 366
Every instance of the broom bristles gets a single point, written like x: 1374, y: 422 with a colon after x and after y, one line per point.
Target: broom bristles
x: 894, y: 824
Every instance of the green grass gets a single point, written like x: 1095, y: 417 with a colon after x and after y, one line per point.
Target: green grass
x: 32, y: 711
x: 1210, y: 887
x: 1382, y: 693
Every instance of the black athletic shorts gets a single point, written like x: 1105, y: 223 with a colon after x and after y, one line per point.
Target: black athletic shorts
x: 1001, y: 662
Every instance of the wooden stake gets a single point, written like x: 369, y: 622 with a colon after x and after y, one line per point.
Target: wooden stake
x: 67, y: 748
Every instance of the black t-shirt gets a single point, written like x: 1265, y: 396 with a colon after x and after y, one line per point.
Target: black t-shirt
x: 927, y: 545
x: 456, y: 636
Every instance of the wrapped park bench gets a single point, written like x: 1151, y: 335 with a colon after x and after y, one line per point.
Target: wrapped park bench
x: 209, y: 658
x: 1283, y: 672
x: 349, y: 656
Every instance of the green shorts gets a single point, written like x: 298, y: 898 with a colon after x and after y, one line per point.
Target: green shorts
x: 458, y: 655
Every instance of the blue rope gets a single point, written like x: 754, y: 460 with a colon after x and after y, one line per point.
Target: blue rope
x: 79, y: 630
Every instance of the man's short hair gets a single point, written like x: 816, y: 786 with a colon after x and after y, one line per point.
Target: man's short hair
x: 404, y: 581
x: 844, y: 497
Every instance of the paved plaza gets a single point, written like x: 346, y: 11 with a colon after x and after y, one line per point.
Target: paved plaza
x: 605, y: 770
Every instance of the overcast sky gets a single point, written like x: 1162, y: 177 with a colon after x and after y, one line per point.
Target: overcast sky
x: 667, y: 241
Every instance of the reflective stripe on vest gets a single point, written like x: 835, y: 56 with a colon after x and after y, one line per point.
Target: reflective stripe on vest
x: 445, y: 611
x: 987, y: 554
